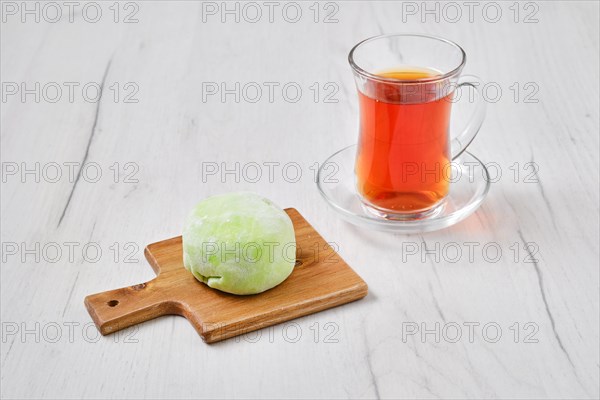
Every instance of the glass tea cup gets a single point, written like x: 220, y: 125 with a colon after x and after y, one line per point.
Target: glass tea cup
x: 406, y: 87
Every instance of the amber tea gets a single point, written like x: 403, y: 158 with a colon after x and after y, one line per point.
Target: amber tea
x: 403, y: 149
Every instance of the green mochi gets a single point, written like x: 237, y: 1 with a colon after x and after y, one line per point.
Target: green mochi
x: 239, y: 243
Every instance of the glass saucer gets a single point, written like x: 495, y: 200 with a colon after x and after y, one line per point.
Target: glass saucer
x: 469, y: 185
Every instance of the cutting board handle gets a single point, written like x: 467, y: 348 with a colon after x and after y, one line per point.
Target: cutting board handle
x: 121, y: 308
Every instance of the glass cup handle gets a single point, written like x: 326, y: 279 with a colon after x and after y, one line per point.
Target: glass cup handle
x: 460, y: 143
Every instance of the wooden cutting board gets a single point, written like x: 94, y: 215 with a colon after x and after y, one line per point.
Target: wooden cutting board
x: 320, y: 280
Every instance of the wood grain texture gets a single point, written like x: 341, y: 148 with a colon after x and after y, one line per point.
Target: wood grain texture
x: 319, y: 281
x: 413, y: 279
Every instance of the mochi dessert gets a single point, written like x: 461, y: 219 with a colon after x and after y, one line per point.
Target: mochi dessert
x: 239, y: 243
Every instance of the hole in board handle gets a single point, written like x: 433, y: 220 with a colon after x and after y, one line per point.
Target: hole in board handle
x: 113, y: 303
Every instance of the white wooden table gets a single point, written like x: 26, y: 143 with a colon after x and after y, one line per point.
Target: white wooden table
x: 518, y: 280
